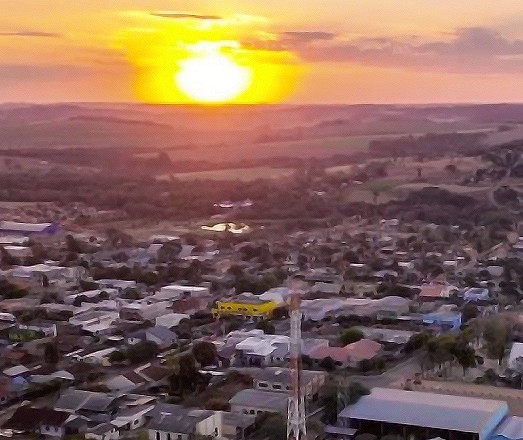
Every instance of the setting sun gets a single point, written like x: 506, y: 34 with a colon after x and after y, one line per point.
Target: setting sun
x: 212, y: 77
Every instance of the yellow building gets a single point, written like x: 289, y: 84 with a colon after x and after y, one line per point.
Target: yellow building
x: 246, y: 306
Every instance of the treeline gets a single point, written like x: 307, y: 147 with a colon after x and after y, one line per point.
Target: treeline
x: 430, y: 144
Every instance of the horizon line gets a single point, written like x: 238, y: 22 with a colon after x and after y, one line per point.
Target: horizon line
x: 278, y: 104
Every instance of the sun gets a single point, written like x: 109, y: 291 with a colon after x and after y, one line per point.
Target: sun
x: 212, y: 77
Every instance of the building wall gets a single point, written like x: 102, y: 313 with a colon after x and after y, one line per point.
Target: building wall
x: 263, y: 310
x: 211, y: 425
x: 160, y: 435
x: 493, y: 423
x: 52, y: 431
x: 252, y: 409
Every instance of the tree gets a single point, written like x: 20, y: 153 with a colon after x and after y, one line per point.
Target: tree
x: 168, y: 252
x: 72, y: 244
x: 328, y: 364
x: 469, y: 312
x: 416, y: 342
x: 267, y: 327
x: 497, y: 333
x: 51, y: 355
x: 185, y: 373
x: 117, y: 357
x: 272, y: 426
x: 466, y: 357
x: 366, y: 365
x: 142, y: 351
x: 131, y: 293
x: 205, y: 353
x: 351, y: 335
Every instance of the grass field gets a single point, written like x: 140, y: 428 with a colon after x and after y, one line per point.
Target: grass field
x: 244, y: 174
x: 321, y: 147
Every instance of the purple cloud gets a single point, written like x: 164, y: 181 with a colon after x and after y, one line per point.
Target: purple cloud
x: 468, y: 50
x: 28, y: 33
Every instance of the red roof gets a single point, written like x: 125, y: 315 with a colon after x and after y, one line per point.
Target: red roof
x: 431, y: 290
x: 355, y: 352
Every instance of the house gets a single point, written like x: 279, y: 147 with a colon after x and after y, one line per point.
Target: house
x: 327, y: 288
x: 431, y: 292
x: 190, y: 306
x: 254, y: 402
x: 154, y: 375
x: 143, y: 310
x: 443, y: 319
x: 349, y: 356
x: 55, y: 275
x: 173, y: 422
x: 475, y: 294
x: 134, y: 417
x: 93, y: 295
x: 103, y: 431
x: 177, y: 291
x: 119, y: 285
x: 236, y: 426
x: 90, y: 317
x: 41, y: 421
x: 385, y: 410
x: 125, y: 382
x: 94, y: 405
x: 171, y: 320
x: 386, y: 336
x: 280, y: 380
x: 246, y: 305
x: 515, y: 358
x: 29, y: 229
x: 18, y: 251
x: 161, y: 336
x: 262, y: 350
x: 319, y: 309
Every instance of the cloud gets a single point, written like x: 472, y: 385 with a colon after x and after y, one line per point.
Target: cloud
x: 40, y: 72
x: 467, y: 50
x: 29, y: 33
x: 184, y: 15
x: 306, y: 36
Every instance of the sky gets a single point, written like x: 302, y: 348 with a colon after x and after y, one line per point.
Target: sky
x: 294, y: 51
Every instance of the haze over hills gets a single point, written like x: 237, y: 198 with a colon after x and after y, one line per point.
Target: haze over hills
x: 282, y: 129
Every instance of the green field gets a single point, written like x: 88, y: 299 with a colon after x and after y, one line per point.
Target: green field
x: 244, y: 174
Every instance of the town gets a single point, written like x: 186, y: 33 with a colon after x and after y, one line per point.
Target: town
x: 106, y: 335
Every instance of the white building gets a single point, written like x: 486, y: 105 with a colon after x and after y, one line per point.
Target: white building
x: 175, y: 422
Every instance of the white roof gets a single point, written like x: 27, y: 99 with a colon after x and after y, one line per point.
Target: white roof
x: 16, y: 370
x: 262, y: 346
x: 24, y: 227
x: 185, y: 288
x: 100, y: 353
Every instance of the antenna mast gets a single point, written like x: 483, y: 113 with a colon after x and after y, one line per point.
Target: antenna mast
x: 296, y: 407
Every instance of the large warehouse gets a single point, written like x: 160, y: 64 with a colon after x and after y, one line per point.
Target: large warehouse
x: 27, y: 229
x: 424, y: 415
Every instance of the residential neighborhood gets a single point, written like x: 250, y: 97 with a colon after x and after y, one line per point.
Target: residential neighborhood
x: 107, y: 347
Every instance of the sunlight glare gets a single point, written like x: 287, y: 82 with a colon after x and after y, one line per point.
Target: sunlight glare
x: 213, y: 77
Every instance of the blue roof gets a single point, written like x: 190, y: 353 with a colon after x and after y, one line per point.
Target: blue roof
x: 511, y: 428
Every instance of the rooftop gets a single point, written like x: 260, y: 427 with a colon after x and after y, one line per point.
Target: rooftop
x: 264, y: 400
x: 176, y: 418
x: 426, y: 409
